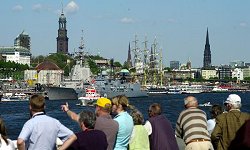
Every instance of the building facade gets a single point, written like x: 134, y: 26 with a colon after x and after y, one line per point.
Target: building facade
x: 238, y: 74
x: 20, y: 52
x: 22, y: 40
x: 45, y: 73
x: 235, y: 64
x: 246, y: 72
x: 62, y: 39
x: 224, y: 72
x: 174, y: 64
x: 209, y: 74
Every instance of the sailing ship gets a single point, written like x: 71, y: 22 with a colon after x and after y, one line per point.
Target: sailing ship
x: 152, y: 69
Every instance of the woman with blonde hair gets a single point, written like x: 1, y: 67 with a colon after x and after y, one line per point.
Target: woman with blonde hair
x: 5, y: 143
x: 125, y: 121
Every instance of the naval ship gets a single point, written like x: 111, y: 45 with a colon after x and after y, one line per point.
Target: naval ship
x: 72, y: 86
x: 110, y: 88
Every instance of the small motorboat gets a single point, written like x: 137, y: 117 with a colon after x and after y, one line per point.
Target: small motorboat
x: 207, y: 104
x: 90, y: 97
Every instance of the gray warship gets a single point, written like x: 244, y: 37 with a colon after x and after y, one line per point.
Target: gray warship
x: 72, y: 86
x: 108, y: 87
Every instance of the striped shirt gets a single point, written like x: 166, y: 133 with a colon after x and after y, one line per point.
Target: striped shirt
x: 192, y: 124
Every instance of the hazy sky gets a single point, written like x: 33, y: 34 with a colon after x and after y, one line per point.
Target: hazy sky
x: 109, y: 25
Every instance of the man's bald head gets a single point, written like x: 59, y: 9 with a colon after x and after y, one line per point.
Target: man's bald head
x: 190, y: 101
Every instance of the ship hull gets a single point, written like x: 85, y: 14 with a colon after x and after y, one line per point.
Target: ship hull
x: 59, y: 93
x: 110, y: 94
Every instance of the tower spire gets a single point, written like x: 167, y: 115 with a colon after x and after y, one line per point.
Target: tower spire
x: 62, y: 38
x: 62, y: 7
x: 207, y: 38
x: 129, y: 61
x: 207, y: 53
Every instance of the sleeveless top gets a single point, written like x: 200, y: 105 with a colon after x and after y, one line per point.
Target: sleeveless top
x: 139, y: 139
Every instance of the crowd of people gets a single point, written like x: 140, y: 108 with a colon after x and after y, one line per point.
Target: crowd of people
x: 117, y: 125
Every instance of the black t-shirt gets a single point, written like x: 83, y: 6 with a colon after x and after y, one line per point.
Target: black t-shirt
x: 90, y: 140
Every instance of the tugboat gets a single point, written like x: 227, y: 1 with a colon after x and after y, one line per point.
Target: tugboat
x: 90, y: 97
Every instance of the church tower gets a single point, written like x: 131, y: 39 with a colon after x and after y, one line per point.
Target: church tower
x: 129, y: 61
x: 207, y: 54
x: 62, y: 39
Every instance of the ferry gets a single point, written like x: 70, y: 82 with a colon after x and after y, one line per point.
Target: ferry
x: 151, y: 90
x: 191, y: 89
x: 174, y: 90
x: 14, y: 97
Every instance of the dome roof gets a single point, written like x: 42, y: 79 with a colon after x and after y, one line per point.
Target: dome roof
x: 124, y: 71
x: 62, y: 17
x: 47, y: 65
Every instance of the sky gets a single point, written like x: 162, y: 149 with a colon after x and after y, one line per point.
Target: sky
x: 179, y: 27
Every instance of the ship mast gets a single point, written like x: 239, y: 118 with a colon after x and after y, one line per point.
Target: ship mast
x: 145, y: 61
x: 137, y: 59
x: 80, y: 53
x: 154, y: 60
x: 161, y: 67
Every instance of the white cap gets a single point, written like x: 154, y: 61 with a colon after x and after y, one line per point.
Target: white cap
x: 233, y: 99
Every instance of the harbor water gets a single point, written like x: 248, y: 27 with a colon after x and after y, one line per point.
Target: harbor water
x: 15, y: 114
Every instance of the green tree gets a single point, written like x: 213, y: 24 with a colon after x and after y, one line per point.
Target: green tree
x: 117, y: 64
x: 93, y: 67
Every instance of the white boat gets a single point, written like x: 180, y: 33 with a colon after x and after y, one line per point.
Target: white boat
x: 191, y: 89
x: 174, y: 90
x: 207, y: 104
x: 15, y: 97
x: 90, y: 97
x: 219, y: 89
x: 156, y: 90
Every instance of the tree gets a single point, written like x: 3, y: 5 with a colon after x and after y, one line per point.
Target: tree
x: 93, y: 67
x: 117, y: 64
x: 12, y: 69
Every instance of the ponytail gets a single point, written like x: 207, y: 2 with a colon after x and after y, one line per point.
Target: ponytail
x: 3, y: 131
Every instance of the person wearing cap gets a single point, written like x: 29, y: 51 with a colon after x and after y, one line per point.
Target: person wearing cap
x: 104, y: 121
x: 191, y: 126
x: 227, y: 124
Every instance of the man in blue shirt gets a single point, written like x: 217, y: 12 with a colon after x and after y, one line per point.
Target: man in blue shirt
x: 41, y: 131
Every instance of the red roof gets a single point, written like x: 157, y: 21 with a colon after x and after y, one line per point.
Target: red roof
x: 47, y: 65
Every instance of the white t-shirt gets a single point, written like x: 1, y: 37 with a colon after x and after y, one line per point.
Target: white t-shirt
x: 210, y: 125
x: 148, y: 127
x: 4, y: 146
